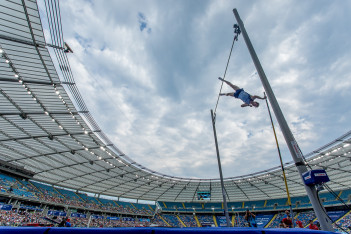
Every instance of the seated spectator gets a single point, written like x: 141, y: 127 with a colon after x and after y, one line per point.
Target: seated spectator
x: 287, y: 221
x: 281, y: 224
x: 312, y: 226
x: 68, y: 224
x: 63, y: 222
x: 299, y: 223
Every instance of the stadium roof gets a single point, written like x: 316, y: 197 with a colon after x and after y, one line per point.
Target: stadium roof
x: 47, y: 128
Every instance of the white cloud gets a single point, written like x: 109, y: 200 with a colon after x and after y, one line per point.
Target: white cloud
x: 152, y: 92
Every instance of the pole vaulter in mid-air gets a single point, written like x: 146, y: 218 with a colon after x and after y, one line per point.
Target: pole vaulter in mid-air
x: 249, y: 100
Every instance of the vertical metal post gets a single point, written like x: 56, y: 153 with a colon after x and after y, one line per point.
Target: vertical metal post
x: 220, y: 172
x: 289, y: 138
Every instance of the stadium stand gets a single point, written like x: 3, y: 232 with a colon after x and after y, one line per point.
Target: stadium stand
x: 235, y: 205
x: 69, y: 195
x: 107, y: 202
x: 239, y: 220
x: 214, y: 205
x: 274, y: 203
x: 160, y: 221
x: 26, y: 201
x: 201, y: 211
x: 206, y: 220
x: 172, y: 220
x: 188, y: 220
x: 193, y: 205
x: 346, y: 195
x: 296, y: 201
x: 253, y: 204
x: 204, y: 214
x: 276, y: 221
x: 344, y: 222
x: 305, y: 217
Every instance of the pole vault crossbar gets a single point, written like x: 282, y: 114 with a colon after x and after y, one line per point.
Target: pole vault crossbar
x: 296, y: 154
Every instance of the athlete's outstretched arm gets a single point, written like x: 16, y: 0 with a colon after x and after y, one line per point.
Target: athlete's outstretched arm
x: 245, y: 105
x: 256, y: 96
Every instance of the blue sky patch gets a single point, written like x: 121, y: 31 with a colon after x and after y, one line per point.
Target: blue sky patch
x: 143, y: 23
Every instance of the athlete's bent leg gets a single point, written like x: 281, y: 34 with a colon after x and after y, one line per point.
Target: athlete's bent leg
x: 230, y: 84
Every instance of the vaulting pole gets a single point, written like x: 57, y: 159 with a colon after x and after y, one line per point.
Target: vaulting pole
x: 281, y: 164
x: 294, y: 149
x: 220, y: 171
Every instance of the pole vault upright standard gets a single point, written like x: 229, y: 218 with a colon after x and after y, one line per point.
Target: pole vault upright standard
x: 220, y: 171
x: 289, y: 138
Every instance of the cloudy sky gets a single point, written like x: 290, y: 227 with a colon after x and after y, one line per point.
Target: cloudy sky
x: 148, y: 73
